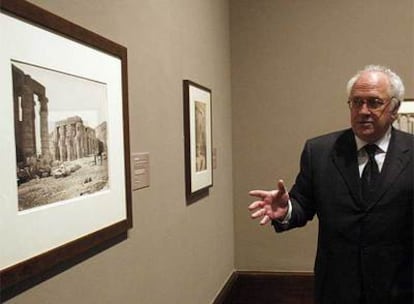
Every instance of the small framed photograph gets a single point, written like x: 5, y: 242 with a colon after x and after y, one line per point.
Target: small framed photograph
x: 405, y: 119
x: 198, y: 140
x: 65, y: 185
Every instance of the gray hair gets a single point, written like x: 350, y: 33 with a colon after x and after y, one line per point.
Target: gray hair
x: 396, y: 84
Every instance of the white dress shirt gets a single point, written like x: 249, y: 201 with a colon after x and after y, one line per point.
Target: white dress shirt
x: 382, y: 144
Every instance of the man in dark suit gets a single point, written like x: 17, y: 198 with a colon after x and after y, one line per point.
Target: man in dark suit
x: 359, y: 182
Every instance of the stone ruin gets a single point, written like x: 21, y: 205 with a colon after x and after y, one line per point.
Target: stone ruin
x: 69, y: 140
x: 24, y: 89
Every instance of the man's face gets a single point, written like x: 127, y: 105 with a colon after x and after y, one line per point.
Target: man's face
x: 371, y: 124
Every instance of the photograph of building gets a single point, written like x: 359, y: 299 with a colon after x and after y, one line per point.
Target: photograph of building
x: 58, y: 156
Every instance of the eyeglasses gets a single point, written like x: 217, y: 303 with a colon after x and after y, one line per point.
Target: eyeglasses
x: 373, y: 103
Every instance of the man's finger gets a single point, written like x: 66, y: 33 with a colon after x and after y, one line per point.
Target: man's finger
x: 265, y: 220
x: 281, y: 186
x: 259, y: 193
x: 255, y: 205
x: 257, y: 214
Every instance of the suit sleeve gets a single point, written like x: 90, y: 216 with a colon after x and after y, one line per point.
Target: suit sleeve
x: 301, y: 194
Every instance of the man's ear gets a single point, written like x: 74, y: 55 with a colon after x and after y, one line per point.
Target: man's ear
x: 396, y: 107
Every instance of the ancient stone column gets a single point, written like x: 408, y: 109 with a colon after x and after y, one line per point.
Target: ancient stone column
x: 28, y: 128
x: 17, y: 126
x: 88, y: 141
x: 79, y: 140
x: 54, y: 149
x: 62, y: 143
x: 44, y: 126
x: 69, y: 142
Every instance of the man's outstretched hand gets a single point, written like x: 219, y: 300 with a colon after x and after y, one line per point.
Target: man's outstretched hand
x: 272, y: 205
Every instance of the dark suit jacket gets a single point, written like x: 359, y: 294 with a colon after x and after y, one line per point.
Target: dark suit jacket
x: 361, y: 249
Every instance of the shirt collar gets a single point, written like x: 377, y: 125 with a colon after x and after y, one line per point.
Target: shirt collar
x: 382, y: 143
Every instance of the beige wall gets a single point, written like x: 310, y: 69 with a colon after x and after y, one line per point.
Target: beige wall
x: 174, y: 253
x: 290, y: 62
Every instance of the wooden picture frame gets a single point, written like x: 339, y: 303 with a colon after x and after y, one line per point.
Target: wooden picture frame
x: 405, y: 118
x: 198, y: 140
x: 54, y: 146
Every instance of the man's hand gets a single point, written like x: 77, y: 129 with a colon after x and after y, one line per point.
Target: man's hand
x: 273, y: 205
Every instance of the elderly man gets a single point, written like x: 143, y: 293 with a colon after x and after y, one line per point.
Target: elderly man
x: 359, y: 182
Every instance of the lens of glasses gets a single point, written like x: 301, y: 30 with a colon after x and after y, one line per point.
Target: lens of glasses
x: 372, y: 103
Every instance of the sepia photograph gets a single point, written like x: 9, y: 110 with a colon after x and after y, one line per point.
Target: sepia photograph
x: 405, y: 118
x: 200, y: 134
x: 60, y: 134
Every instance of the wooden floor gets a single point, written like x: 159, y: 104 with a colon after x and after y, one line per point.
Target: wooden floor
x: 268, y: 288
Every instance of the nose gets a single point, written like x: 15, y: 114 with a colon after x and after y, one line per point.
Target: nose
x: 364, y: 109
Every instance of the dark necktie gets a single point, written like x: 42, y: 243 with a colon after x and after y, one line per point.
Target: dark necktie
x: 369, y: 174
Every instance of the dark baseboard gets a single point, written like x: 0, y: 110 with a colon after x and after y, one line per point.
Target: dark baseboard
x: 249, y: 287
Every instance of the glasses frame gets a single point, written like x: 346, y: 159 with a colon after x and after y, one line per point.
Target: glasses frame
x: 372, y: 103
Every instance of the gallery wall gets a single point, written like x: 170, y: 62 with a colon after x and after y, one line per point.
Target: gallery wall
x: 290, y: 63
x: 174, y: 253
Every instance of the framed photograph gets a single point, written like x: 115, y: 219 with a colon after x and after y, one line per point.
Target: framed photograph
x: 198, y: 140
x: 65, y: 186
x: 405, y: 119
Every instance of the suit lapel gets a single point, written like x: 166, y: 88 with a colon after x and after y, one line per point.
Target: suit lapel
x: 344, y: 156
x: 397, y: 158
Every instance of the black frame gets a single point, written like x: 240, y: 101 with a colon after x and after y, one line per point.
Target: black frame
x: 194, y: 195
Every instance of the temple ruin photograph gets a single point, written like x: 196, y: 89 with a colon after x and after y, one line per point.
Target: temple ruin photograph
x: 405, y: 118
x: 60, y: 125
x: 405, y: 122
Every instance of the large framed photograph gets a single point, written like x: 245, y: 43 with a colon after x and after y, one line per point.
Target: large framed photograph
x: 198, y: 140
x: 65, y: 186
x: 405, y: 118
